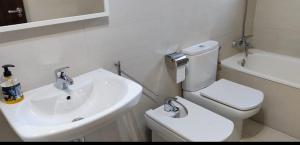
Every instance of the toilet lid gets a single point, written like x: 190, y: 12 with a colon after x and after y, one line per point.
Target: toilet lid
x: 200, y: 125
x: 234, y: 95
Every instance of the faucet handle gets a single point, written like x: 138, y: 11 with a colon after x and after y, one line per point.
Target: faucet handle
x: 61, y: 71
x: 169, y: 106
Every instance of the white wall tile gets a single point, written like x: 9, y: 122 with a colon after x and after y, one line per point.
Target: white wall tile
x: 276, y: 26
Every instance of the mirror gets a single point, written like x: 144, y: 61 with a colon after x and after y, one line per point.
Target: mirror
x: 47, y: 12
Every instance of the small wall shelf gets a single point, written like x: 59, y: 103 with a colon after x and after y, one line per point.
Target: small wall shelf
x: 57, y: 21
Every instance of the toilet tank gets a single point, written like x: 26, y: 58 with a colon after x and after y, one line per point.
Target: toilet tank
x: 202, y: 67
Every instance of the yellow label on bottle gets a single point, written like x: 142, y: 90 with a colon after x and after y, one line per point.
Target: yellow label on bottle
x: 13, y: 94
x: 14, y: 101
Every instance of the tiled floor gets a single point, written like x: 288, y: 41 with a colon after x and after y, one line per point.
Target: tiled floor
x: 255, y: 132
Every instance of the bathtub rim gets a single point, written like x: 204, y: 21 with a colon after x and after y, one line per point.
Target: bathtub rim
x: 232, y: 63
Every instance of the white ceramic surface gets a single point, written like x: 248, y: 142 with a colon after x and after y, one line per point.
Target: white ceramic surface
x: 234, y: 95
x: 47, y: 114
x: 225, y: 98
x: 270, y: 66
x: 200, y: 125
x: 201, y: 70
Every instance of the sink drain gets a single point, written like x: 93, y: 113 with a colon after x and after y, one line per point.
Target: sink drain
x: 77, y: 119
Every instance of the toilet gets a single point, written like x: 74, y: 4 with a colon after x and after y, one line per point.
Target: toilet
x: 198, y: 125
x: 231, y: 100
x: 216, y: 109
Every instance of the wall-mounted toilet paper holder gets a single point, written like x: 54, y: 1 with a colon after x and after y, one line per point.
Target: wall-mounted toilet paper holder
x: 176, y: 60
x: 176, y: 63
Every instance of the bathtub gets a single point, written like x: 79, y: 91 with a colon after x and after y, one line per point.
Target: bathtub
x: 278, y: 76
x: 274, y: 67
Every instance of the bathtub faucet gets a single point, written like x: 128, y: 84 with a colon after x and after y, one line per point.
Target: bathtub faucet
x: 244, y: 44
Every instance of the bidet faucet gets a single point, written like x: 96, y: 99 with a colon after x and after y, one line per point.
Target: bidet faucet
x: 169, y: 106
x: 63, y: 81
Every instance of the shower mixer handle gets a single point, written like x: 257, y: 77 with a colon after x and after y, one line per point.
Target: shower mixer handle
x: 243, y: 43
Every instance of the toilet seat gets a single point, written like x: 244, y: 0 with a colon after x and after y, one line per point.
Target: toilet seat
x: 234, y: 95
x: 200, y: 125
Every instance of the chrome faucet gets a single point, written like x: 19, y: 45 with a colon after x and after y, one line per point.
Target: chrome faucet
x: 63, y: 81
x: 243, y: 43
x: 169, y: 106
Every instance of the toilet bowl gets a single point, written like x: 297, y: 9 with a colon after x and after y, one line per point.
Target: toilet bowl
x: 199, y: 125
x: 229, y: 99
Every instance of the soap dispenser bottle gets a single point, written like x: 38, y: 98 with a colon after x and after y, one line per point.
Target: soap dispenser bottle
x: 10, y: 87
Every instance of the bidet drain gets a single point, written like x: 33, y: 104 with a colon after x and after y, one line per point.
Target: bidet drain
x: 77, y: 119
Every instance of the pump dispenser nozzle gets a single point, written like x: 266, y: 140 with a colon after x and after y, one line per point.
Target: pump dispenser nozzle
x: 7, y: 72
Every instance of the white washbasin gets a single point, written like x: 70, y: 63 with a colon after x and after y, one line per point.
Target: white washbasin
x: 50, y: 114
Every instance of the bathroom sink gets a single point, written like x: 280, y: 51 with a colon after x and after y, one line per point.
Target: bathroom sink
x: 50, y: 114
